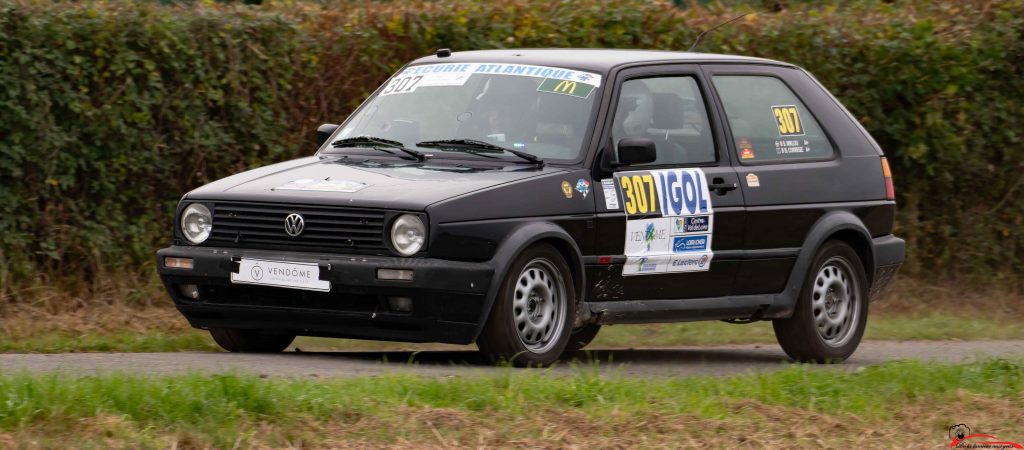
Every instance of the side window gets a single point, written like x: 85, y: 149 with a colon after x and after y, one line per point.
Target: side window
x: 768, y: 121
x: 670, y: 111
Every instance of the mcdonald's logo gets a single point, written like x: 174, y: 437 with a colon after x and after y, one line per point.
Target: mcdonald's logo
x: 566, y: 87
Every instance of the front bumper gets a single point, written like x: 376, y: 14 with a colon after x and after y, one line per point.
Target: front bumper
x: 447, y: 296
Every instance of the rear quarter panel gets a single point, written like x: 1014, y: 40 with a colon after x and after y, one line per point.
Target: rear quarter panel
x: 792, y: 197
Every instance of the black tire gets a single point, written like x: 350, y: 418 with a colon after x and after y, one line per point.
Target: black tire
x: 581, y: 337
x: 251, y: 341
x: 521, y: 312
x: 827, y: 326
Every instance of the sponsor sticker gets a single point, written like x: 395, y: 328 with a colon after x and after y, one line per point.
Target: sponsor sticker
x: 787, y: 118
x: 696, y: 262
x: 681, y: 228
x: 691, y: 224
x: 583, y: 187
x: 746, y: 149
x: 325, y: 185
x: 682, y: 244
x: 566, y: 87
x: 753, y: 180
x: 611, y: 197
x: 557, y: 73
x: 682, y: 192
x: 293, y: 275
x: 566, y: 189
x: 645, y: 265
x: 647, y: 236
x: 577, y: 83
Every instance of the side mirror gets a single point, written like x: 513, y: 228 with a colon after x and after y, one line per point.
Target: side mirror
x: 324, y: 132
x: 636, y: 151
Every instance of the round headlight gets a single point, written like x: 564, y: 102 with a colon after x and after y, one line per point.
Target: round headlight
x: 408, y: 234
x: 196, y: 223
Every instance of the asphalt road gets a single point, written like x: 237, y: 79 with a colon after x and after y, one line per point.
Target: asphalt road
x: 679, y: 361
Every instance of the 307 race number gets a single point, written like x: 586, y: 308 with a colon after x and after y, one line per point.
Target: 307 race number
x: 402, y: 85
x: 788, y: 120
x: 640, y: 194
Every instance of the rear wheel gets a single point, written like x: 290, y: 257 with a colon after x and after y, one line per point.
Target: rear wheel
x: 832, y: 310
x: 530, y: 321
x: 581, y: 337
x: 251, y: 341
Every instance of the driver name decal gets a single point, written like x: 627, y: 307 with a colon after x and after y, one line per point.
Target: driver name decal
x: 669, y: 221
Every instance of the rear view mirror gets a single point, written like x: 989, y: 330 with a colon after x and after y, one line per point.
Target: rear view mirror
x: 324, y: 132
x: 636, y: 151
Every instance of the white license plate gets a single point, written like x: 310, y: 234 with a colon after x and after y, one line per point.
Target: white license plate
x: 294, y: 275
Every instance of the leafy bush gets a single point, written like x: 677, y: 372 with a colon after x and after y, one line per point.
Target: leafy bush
x: 111, y: 111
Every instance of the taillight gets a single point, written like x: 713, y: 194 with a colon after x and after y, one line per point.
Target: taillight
x: 890, y: 191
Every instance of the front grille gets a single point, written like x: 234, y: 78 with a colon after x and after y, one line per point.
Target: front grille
x: 254, y: 225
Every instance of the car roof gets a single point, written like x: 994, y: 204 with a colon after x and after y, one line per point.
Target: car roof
x: 592, y: 59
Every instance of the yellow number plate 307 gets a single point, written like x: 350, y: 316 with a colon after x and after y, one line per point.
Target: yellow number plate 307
x: 292, y: 275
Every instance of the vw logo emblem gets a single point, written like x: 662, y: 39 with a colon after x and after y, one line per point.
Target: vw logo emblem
x: 294, y: 224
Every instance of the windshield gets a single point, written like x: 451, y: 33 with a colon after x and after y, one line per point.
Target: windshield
x: 543, y: 111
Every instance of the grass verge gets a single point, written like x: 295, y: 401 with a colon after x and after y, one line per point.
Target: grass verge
x: 902, y: 403
x: 911, y: 310
x: 618, y: 336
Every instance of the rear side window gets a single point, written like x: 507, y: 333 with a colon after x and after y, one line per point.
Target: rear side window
x: 768, y: 121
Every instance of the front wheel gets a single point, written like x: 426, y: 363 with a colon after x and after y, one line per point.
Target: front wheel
x: 251, y: 341
x: 832, y: 310
x: 532, y: 315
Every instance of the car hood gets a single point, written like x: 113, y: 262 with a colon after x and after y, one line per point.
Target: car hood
x: 403, y: 185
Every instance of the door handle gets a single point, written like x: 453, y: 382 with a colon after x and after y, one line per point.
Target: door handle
x: 720, y: 186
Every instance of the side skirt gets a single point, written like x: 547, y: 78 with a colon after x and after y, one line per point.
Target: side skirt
x: 746, y: 307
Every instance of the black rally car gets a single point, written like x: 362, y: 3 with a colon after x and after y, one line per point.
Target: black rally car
x: 523, y: 198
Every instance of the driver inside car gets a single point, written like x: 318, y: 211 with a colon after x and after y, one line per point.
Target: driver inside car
x: 495, y: 113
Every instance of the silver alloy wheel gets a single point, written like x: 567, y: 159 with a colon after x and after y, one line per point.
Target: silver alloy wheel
x: 538, y: 305
x: 835, y: 302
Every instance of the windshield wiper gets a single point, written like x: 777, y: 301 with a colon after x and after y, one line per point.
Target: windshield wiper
x: 377, y: 144
x: 473, y: 143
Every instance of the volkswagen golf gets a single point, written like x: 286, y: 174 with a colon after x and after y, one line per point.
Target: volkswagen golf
x: 521, y: 199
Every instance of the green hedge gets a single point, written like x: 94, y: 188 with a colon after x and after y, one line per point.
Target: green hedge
x: 110, y: 111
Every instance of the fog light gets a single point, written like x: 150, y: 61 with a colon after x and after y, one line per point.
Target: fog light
x: 189, y: 290
x: 394, y: 274
x: 400, y: 304
x: 178, y: 263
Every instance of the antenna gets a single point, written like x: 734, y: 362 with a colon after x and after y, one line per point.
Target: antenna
x: 702, y: 33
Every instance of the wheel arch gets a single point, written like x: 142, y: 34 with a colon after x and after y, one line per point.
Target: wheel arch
x: 861, y: 244
x: 516, y: 242
x: 836, y: 225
